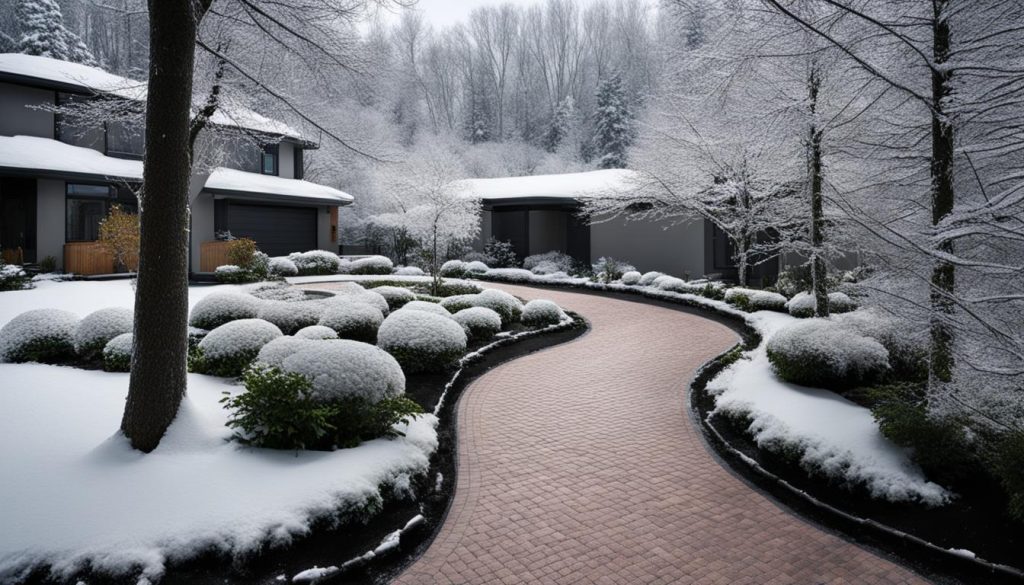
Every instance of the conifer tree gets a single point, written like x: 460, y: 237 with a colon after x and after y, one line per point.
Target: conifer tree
x: 612, y: 124
x: 44, y: 33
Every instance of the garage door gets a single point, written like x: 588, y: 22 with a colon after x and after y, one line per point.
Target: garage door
x: 278, y: 230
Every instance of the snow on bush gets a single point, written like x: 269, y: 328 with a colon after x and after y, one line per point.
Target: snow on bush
x: 316, y: 332
x: 479, y: 323
x: 499, y: 301
x: 291, y: 316
x: 821, y: 353
x: 456, y: 303
x: 648, y: 277
x: 541, y: 313
x: 546, y: 267
x: 803, y: 304
x: 453, y: 269
x: 39, y: 335
x: 117, y: 353
x: 280, y: 348
x: 840, y: 303
x: 353, y: 320
x: 343, y: 368
x: 12, y: 277
x: 228, y: 349
x: 429, y: 307
x: 750, y: 300
x: 372, y: 265
x: 276, y: 291
x: 216, y: 309
x: 476, y: 267
x: 315, y: 262
x: 410, y: 271
x: 195, y: 335
x: 227, y: 272
x: 422, y: 341
x: 396, y: 296
x: 282, y: 266
x: 673, y: 284
x: 99, y: 327
x: 908, y: 349
x: 509, y: 275
x: 352, y: 292
x: 631, y: 277
x: 561, y: 261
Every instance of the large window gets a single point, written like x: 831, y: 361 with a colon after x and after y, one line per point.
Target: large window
x: 125, y: 141
x: 87, y: 205
x: 73, y: 129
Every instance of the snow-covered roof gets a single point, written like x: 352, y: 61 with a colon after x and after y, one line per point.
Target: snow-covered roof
x: 234, y: 181
x: 568, y: 186
x: 74, y: 76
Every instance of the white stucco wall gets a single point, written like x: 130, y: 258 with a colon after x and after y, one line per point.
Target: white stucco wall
x: 677, y: 250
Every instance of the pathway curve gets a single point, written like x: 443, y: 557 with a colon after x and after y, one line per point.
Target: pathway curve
x: 580, y: 464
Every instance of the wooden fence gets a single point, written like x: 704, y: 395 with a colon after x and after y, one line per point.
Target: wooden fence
x: 88, y: 258
x: 212, y: 255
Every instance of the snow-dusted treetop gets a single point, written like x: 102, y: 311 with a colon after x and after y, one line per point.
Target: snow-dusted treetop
x: 603, y: 183
x: 95, y: 80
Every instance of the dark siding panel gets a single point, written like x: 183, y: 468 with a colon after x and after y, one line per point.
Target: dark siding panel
x: 278, y: 230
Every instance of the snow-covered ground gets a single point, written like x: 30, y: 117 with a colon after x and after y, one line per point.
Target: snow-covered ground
x: 74, y: 493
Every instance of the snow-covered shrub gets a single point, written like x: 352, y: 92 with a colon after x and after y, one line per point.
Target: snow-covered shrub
x: 422, y: 341
x: 840, y: 303
x: 749, y: 299
x: 342, y: 368
x: 12, y: 277
x: 396, y: 296
x: 195, y: 335
x: 476, y: 267
x: 502, y: 303
x: 479, y: 323
x: 352, y: 292
x: 410, y: 271
x: 907, y: 347
x: 282, y: 266
x: 316, y: 332
x: 434, y: 308
x: 353, y: 320
x: 562, y: 262
x: 456, y: 303
x: 216, y: 309
x: 117, y: 353
x: 648, y: 277
x: 541, y: 313
x: 608, y: 269
x: 678, y: 285
x: 228, y: 349
x: 315, y: 262
x: 502, y: 253
x: 453, y: 269
x: 344, y: 266
x: 276, y: 291
x: 631, y: 277
x: 230, y: 274
x: 291, y: 316
x: 803, y: 304
x: 280, y: 348
x: 40, y: 335
x: 544, y: 268
x: 372, y: 265
x: 99, y: 327
x: 823, y: 354
x: 509, y: 275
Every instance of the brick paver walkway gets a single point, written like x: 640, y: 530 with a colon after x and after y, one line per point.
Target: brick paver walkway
x: 580, y: 464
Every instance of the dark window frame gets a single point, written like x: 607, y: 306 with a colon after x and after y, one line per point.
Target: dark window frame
x: 114, y: 196
x: 273, y: 152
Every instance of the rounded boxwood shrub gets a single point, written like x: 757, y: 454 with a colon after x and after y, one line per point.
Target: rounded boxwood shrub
x: 280, y: 348
x: 99, y: 327
x: 509, y: 275
x: 479, y: 323
x: 502, y: 303
x: 219, y: 308
x: 315, y: 262
x: 631, y: 277
x: 428, y: 307
x: 342, y: 368
x: 456, y: 303
x: 396, y: 296
x: 117, y: 354
x: 749, y: 299
x: 823, y: 354
x: 648, y: 277
x: 410, y: 271
x: 228, y: 349
x: 453, y: 269
x: 803, y: 304
x: 352, y: 292
x: 40, y: 335
x: 352, y: 320
x: 316, y: 332
x: 372, y: 265
x: 291, y: 316
x: 840, y: 303
x: 422, y: 341
x: 282, y: 266
x: 195, y: 335
x: 541, y: 313
x: 476, y: 267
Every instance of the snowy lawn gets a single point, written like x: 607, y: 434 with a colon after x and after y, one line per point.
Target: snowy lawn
x: 75, y: 495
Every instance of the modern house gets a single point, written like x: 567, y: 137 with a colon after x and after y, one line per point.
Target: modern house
x: 540, y: 213
x: 57, y: 181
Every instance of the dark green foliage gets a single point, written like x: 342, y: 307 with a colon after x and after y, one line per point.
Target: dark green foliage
x: 713, y: 292
x: 741, y: 302
x: 13, y: 278
x: 241, y: 276
x: 278, y: 411
x: 227, y: 367
x: 429, y: 298
x: 117, y: 362
x: 371, y: 269
x: 415, y: 361
x: 813, y: 368
x: 195, y: 335
x: 1007, y: 464
x: 45, y: 350
x: 503, y: 255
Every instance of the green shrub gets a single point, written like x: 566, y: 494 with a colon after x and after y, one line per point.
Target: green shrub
x: 821, y: 354
x: 117, y: 353
x: 48, y: 264
x: 1007, y: 464
x: 713, y: 292
x: 501, y: 253
x: 279, y: 411
x: 12, y: 277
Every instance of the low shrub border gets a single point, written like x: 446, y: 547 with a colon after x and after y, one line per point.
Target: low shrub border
x: 771, y: 474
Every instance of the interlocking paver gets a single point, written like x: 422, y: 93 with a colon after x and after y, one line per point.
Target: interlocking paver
x: 580, y: 464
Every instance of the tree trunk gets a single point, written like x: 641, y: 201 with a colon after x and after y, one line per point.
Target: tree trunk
x: 818, y: 270
x: 943, y: 199
x: 158, y: 377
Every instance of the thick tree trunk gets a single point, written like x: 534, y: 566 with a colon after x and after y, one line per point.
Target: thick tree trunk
x: 817, y: 226
x: 161, y: 299
x: 943, y: 199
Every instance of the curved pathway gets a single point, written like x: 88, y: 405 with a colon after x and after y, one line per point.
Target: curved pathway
x: 580, y: 464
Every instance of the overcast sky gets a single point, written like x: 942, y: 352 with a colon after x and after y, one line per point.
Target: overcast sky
x: 441, y: 13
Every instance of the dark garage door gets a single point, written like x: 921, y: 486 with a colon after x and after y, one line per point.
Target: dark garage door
x: 278, y: 230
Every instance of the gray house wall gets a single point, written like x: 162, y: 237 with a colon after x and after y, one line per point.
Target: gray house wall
x: 286, y: 160
x: 50, y: 219
x: 17, y: 118
x: 323, y: 229
x: 677, y: 249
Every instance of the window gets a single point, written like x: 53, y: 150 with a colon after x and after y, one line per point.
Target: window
x: 124, y: 141
x: 87, y: 205
x: 71, y: 129
x: 269, y: 161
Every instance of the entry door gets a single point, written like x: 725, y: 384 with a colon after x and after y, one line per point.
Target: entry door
x: 18, y: 219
